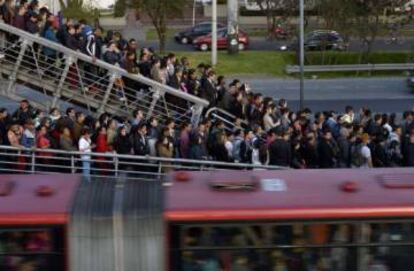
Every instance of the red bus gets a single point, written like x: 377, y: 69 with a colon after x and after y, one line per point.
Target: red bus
x: 291, y: 220
x: 33, y: 218
x: 283, y: 220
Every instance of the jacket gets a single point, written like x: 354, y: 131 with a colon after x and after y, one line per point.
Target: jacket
x: 51, y: 36
x: 409, y: 154
x: 19, y: 22
x: 140, y: 145
x: 122, y: 145
x: 209, y: 93
x: 326, y: 154
x: 72, y: 42
x: 280, y: 153
x: 112, y: 58
x: 32, y: 27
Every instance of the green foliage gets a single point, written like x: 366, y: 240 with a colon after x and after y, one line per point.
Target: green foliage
x: 257, y: 63
x: 77, y: 9
x: 120, y: 8
x: 364, y: 20
x: 159, y: 11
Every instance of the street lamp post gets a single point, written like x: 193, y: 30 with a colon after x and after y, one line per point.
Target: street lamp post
x: 302, y: 52
x: 214, y: 34
x: 194, y: 11
x: 232, y: 26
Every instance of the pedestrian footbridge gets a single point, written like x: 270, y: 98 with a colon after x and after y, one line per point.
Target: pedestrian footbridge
x: 91, y: 84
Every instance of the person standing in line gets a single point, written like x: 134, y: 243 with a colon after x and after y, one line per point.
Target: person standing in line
x: 85, y: 147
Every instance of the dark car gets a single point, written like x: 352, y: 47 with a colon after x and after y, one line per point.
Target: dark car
x: 203, y: 43
x: 201, y: 29
x: 320, y: 40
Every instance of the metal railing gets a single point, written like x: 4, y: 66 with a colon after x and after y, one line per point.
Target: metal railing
x: 93, y: 84
x: 350, y: 68
x: 21, y: 160
x: 229, y: 120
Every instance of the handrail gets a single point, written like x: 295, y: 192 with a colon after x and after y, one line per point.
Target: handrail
x: 353, y: 67
x: 141, y: 158
x: 44, y: 42
x: 226, y: 114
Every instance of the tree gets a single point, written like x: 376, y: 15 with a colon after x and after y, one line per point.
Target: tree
x: 158, y: 11
x: 363, y: 19
x: 272, y: 8
x: 77, y: 9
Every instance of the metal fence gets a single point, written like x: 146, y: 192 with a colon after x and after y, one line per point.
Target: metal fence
x: 351, y: 68
x: 72, y: 76
x: 230, y: 121
x: 15, y: 160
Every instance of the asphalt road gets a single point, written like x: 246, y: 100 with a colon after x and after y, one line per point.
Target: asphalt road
x: 260, y: 44
x: 386, y: 95
x: 380, y: 94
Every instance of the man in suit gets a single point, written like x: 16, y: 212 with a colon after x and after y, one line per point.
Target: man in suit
x: 139, y: 140
x: 209, y: 91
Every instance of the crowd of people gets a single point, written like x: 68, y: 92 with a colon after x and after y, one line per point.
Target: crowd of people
x: 266, y: 131
x: 28, y: 250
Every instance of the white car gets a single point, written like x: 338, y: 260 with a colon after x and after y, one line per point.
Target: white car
x: 204, y: 2
x: 408, y: 7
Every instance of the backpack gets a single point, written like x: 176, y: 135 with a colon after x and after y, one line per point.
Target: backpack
x: 357, y: 159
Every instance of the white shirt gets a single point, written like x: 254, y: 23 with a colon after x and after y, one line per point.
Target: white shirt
x: 366, y: 153
x: 229, y: 148
x: 269, y: 123
x: 85, y: 147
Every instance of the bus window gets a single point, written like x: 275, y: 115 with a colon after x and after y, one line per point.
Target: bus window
x: 31, y: 249
x: 395, y: 245
x: 295, y: 246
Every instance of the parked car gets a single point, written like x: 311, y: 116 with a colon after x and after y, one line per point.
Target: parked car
x: 319, y: 40
x: 190, y: 34
x: 203, y: 43
x: 410, y: 81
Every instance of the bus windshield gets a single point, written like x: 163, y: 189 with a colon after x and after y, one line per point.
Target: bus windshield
x: 34, y: 249
x: 339, y: 246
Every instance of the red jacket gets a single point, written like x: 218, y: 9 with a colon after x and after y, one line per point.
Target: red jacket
x: 101, y: 143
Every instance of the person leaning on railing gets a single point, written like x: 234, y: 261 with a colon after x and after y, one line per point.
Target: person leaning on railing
x: 85, y: 146
x: 14, y: 136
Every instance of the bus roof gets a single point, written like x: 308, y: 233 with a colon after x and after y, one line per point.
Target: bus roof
x: 36, y: 199
x: 292, y: 194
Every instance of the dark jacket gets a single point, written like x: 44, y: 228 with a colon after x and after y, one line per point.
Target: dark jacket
x: 379, y: 156
x: 145, y: 68
x: 310, y: 153
x: 280, y: 153
x: 193, y: 87
x: 112, y: 57
x: 409, y: 154
x: 297, y: 159
x: 326, y: 154
x: 140, y: 145
x: 122, y: 145
x: 72, y: 42
x: 236, y: 108
x: 344, y: 152
x: 220, y: 153
x: 32, y: 28
x: 62, y: 34
x: 226, y: 101
x: 19, y: 22
x: 209, y: 92
x: 20, y: 116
